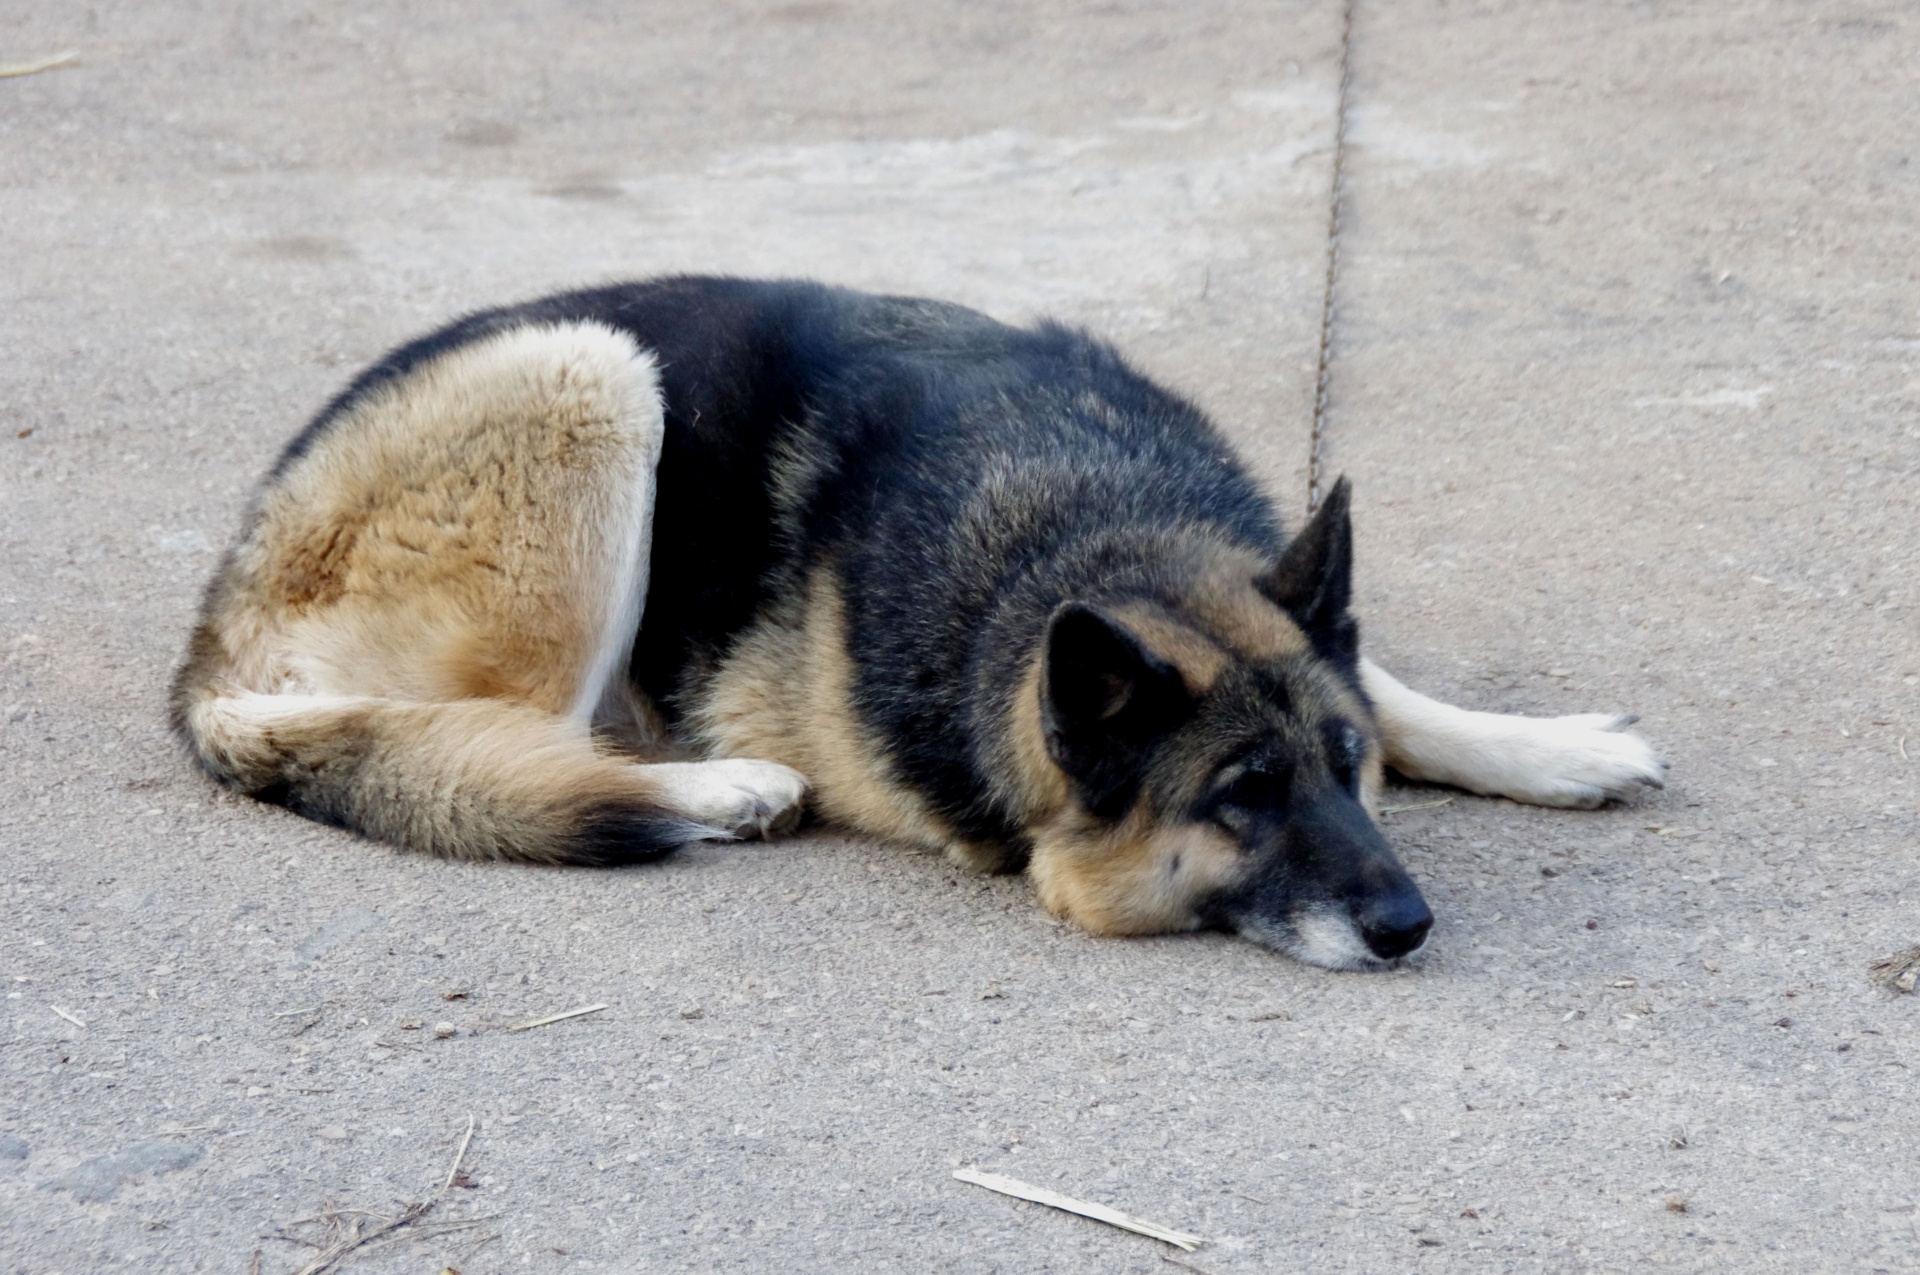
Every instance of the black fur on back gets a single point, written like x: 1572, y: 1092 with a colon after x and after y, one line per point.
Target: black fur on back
x: 967, y: 476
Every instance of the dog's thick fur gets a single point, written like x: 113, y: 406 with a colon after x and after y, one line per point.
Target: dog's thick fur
x: 979, y: 587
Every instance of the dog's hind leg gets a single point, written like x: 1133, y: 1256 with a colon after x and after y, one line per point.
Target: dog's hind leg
x: 1582, y: 761
x: 433, y: 608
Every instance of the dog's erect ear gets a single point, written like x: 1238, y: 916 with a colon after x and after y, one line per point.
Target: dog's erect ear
x: 1104, y: 699
x: 1313, y: 582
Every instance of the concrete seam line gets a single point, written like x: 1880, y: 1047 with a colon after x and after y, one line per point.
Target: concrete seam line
x: 1336, y: 195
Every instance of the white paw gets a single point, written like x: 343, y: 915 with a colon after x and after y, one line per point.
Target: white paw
x: 737, y: 797
x: 1582, y: 761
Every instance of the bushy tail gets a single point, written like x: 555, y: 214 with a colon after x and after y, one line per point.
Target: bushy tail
x: 471, y: 779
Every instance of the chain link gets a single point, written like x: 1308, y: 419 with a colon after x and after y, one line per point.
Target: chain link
x: 1336, y: 196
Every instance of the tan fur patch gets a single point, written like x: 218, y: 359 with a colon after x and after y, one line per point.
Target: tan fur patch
x: 785, y: 693
x: 1199, y: 659
x: 463, y: 534
x: 1135, y: 877
x: 419, y: 621
x: 1222, y: 598
x: 1038, y: 787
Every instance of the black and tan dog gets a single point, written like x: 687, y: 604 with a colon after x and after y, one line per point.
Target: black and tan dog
x: 979, y: 587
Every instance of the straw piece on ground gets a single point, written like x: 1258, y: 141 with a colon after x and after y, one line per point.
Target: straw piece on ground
x: 66, y: 1014
x: 555, y: 1018
x: 453, y: 1170
x: 1184, y: 1264
x: 1066, y: 1203
x: 1418, y: 805
x: 44, y: 64
x: 351, y: 1239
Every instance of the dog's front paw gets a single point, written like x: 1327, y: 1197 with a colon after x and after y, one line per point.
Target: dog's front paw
x: 1581, y: 761
x: 737, y: 797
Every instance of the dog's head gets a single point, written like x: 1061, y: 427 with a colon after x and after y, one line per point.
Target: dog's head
x: 1220, y: 762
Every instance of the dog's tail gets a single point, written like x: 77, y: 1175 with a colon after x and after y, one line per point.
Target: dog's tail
x: 469, y: 779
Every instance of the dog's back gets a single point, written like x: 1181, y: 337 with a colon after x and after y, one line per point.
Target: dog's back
x: 800, y: 417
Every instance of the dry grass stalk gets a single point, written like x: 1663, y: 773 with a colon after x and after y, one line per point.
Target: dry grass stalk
x: 1418, y: 805
x: 1098, y: 1212
x: 555, y: 1018
x: 453, y: 1170
x: 68, y: 1015
x: 34, y: 68
x: 350, y: 1237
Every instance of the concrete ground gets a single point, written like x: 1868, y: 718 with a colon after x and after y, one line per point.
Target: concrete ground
x: 1628, y: 380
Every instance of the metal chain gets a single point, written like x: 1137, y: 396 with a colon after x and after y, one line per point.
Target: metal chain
x: 1336, y: 196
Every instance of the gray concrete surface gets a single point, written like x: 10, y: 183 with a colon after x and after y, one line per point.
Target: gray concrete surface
x: 1628, y: 383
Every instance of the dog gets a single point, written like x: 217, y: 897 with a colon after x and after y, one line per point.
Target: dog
x: 581, y: 580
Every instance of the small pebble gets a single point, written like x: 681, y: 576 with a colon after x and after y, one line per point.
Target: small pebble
x: 443, y: 1030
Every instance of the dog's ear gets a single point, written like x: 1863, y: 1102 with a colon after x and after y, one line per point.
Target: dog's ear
x: 1104, y: 699
x: 1313, y: 582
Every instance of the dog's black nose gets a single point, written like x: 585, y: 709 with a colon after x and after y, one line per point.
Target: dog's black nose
x: 1395, y: 925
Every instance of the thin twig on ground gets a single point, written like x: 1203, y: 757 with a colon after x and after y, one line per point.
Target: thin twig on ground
x: 353, y: 1238
x: 35, y: 67
x: 1183, y: 1262
x: 477, y: 1245
x: 1418, y: 805
x: 1067, y: 1204
x: 453, y: 1170
x: 425, y: 1231
x: 555, y: 1018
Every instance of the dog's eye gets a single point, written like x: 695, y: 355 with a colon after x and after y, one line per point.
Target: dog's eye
x: 1258, y: 790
